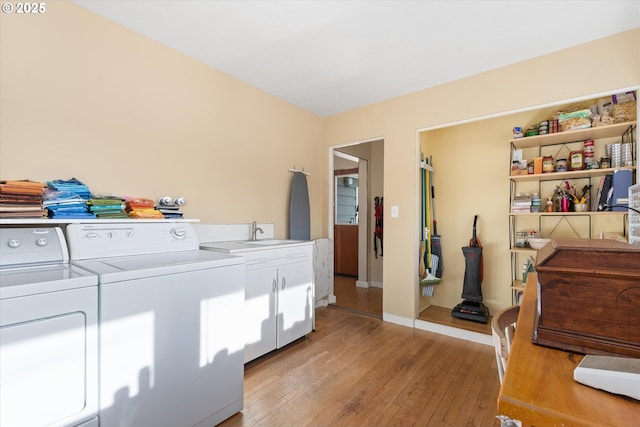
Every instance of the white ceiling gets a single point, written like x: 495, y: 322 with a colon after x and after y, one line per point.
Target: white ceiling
x: 332, y: 56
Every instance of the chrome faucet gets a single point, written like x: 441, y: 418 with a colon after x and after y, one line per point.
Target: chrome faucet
x: 254, y: 231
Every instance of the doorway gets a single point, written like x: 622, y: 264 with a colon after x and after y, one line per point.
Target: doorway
x: 346, y: 229
x: 357, y: 176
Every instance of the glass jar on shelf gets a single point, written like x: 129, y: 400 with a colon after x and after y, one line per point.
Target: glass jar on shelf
x: 521, y: 239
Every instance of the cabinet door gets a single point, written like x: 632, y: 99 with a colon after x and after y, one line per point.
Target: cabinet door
x: 260, y: 312
x: 295, y: 302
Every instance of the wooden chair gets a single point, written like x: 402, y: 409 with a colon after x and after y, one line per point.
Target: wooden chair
x: 503, y: 328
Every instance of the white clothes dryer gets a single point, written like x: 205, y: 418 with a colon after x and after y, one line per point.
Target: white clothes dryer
x: 48, y: 332
x: 171, y: 347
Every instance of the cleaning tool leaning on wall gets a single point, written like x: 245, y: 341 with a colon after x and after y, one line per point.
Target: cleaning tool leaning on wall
x: 429, y: 248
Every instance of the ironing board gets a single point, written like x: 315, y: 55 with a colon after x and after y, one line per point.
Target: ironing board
x: 299, y: 217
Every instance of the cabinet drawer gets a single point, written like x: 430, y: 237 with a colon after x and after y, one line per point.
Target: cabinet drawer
x: 275, y: 257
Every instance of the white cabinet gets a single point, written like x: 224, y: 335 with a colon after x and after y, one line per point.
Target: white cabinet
x: 278, y: 298
x: 279, y: 292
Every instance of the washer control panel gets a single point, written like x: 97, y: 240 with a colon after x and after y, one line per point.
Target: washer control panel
x: 20, y: 246
x: 88, y: 241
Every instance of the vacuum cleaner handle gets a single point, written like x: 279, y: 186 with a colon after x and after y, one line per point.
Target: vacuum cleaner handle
x: 474, y: 238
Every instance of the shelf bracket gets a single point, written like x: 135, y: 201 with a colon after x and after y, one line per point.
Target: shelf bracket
x: 564, y: 218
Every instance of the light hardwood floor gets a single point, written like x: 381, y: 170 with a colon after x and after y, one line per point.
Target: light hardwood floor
x: 348, y: 295
x: 357, y: 370
x: 369, y: 301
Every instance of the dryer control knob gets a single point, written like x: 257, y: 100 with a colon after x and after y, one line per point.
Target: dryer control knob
x: 179, y: 233
x: 14, y: 243
x: 42, y: 242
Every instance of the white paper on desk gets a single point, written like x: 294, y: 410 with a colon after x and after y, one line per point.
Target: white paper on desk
x: 619, y: 375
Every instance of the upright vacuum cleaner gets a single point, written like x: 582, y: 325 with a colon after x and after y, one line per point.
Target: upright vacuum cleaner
x: 472, y: 308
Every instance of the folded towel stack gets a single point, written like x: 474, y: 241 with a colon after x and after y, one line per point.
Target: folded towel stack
x: 107, y: 207
x: 72, y: 199
x: 67, y: 199
x: 21, y: 199
x: 139, y: 207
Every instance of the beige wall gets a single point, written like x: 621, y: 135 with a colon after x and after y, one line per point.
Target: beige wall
x: 483, y: 160
x: 84, y: 97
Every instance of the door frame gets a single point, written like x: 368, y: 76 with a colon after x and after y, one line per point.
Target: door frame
x: 363, y: 241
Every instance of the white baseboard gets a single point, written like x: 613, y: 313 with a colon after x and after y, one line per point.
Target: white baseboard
x: 365, y: 284
x: 454, y: 332
x: 322, y: 302
x: 439, y: 329
x: 391, y: 318
x: 325, y: 301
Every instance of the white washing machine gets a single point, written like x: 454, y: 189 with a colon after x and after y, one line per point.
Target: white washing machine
x: 171, y: 347
x: 48, y: 332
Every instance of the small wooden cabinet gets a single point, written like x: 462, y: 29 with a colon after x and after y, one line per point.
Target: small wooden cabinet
x: 346, y: 249
x: 588, y: 297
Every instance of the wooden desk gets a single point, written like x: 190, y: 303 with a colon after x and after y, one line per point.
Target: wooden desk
x: 539, y: 390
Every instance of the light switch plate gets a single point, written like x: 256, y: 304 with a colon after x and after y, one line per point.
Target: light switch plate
x: 394, y: 212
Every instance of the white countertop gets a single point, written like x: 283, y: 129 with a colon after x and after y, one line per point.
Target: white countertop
x: 250, y: 246
x: 41, y: 221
